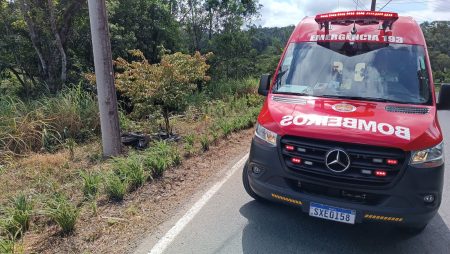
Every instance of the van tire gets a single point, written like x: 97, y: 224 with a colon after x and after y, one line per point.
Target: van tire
x: 247, y: 187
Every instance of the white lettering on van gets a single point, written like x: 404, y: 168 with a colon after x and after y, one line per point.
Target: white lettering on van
x: 286, y: 121
x: 356, y: 37
x: 371, y: 126
x: 297, y: 122
x: 348, y: 123
x: 402, y: 132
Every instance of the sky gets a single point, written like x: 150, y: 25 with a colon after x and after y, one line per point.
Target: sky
x: 290, y: 12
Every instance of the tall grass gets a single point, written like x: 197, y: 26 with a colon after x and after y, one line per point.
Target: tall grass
x: 60, y: 210
x: 225, y: 88
x: 131, y: 170
x: 160, y: 157
x: 91, y: 184
x: 7, y: 246
x: 115, y: 187
x: 17, y: 216
x: 42, y: 124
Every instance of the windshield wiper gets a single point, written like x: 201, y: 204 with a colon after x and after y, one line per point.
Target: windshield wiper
x: 292, y: 93
x: 362, y: 98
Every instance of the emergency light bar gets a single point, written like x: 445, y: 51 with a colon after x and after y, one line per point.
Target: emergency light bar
x: 356, y: 15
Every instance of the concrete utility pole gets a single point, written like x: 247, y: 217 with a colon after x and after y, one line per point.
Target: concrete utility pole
x: 374, y: 4
x: 106, y: 92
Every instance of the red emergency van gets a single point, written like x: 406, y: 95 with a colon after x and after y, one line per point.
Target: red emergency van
x: 349, y: 129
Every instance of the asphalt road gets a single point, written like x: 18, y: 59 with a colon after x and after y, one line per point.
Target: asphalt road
x: 231, y: 222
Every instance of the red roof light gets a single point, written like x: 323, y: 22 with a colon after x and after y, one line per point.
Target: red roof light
x: 350, y: 15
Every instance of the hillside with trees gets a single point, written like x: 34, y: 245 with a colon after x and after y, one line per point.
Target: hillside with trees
x: 439, y: 48
x: 185, y: 70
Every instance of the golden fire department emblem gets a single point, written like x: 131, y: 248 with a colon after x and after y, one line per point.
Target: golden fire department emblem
x: 344, y: 107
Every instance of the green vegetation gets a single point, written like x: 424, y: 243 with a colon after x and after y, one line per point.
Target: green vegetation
x: 172, y: 80
x: 439, y: 48
x: 185, y: 67
x: 131, y: 171
x: 17, y: 216
x: 43, y: 124
x: 91, y: 184
x: 204, y: 141
x: 62, y: 212
x: 115, y: 187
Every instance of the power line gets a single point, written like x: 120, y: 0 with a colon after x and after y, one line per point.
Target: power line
x: 385, y: 5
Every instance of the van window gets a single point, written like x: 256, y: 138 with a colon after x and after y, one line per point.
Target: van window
x: 366, y: 71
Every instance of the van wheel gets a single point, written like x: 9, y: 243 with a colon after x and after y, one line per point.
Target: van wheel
x: 413, y: 229
x: 247, y: 187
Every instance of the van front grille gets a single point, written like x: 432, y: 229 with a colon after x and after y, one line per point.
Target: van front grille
x: 364, y: 161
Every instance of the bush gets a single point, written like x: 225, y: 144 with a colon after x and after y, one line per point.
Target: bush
x: 164, y: 87
x: 226, y: 127
x: 235, y: 88
x: 215, y: 136
x: 204, y: 141
x: 136, y: 174
x: 189, y: 144
x: 160, y: 157
x: 115, y: 188
x: 91, y: 183
x: 18, y: 214
x: 190, y: 139
x: 176, y: 157
x: 10, y: 228
x: 62, y: 212
x: 131, y: 170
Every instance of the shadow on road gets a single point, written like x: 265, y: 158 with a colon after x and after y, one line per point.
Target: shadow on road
x: 274, y: 228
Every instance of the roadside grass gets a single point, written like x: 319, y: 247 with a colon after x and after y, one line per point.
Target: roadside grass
x: 43, y: 125
x: 115, y: 187
x: 215, y: 114
x: 8, y: 246
x: 62, y: 212
x: 91, y: 184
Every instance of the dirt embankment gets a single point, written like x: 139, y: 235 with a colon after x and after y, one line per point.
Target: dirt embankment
x: 119, y: 227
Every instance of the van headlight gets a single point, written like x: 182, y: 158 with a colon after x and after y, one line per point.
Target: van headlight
x: 266, y: 135
x: 428, y: 158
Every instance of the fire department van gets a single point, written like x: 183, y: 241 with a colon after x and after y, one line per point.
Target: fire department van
x: 349, y: 129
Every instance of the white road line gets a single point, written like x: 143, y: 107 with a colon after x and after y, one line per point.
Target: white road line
x: 164, y: 242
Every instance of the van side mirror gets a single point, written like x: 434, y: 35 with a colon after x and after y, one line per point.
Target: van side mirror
x: 444, y: 98
x: 264, y: 84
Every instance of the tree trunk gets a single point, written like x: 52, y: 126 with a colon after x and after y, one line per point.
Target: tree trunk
x: 166, y: 121
x: 59, y: 44
x: 25, y: 9
x: 210, y: 24
x: 67, y: 18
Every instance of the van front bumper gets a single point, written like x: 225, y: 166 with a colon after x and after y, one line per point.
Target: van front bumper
x: 401, y: 203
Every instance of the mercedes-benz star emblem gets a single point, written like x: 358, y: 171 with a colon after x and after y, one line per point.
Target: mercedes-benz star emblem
x: 337, y: 161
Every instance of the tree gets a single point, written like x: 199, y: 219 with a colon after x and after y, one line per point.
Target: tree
x: 202, y: 19
x: 142, y: 24
x: 48, y: 34
x: 36, y: 33
x: 162, y: 87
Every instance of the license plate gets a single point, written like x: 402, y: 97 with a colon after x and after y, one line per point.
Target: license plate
x: 332, y: 213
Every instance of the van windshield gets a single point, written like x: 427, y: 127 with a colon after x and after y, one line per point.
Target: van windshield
x: 359, y: 71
